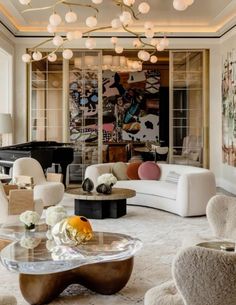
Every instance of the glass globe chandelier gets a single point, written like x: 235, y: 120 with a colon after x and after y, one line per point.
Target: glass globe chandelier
x: 130, y: 11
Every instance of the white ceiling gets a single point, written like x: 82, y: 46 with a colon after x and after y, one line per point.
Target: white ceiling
x: 204, y: 17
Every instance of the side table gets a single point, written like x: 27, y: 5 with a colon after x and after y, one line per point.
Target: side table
x: 98, y: 206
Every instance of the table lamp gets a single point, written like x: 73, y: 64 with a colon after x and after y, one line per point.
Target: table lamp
x: 5, y: 125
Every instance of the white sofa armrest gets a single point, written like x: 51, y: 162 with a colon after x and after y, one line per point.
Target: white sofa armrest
x: 94, y: 171
x: 193, y: 193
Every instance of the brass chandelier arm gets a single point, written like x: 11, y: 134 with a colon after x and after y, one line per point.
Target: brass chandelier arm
x: 121, y: 4
x: 63, y: 2
x: 139, y: 38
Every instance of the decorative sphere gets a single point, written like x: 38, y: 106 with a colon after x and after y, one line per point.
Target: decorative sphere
x: 119, y: 49
x: 51, y: 28
x: 70, y: 36
x: 180, y: 5
x: 97, y: 1
x: 148, y: 25
x: 55, y: 19
x: 91, y: 21
x: 144, y: 8
x: 129, y: 2
x: 160, y: 47
x: 37, y: 55
x: 26, y: 58
x: 77, y: 34
x: 143, y: 55
x: 116, y: 23
x: 70, y: 17
x: 149, y: 33
x: 153, y: 59
x: 25, y: 2
x: 164, y: 42
x: 189, y: 2
x: 125, y: 17
x: 52, y: 57
x: 114, y: 40
x: 90, y: 43
x: 137, y: 43
x: 154, y: 42
x: 57, y: 41
x: 67, y: 54
x: 135, y: 65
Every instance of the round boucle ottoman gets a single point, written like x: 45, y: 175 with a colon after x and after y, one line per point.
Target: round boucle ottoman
x: 8, y: 300
x: 165, y: 294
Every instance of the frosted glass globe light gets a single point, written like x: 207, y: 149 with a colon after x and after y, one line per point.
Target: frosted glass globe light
x: 119, y: 49
x: 135, y: 65
x: 57, y: 41
x: 189, y: 2
x: 114, y: 40
x: 71, y: 17
x: 125, y: 17
x: 91, y: 21
x: 148, y: 25
x: 25, y: 2
x: 160, y: 47
x: 164, y: 42
x: 144, y: 8
x: 137, y: 43
x: 51, y: 28
x: 153, y: 59
x: 70, y: 36
x: 26, y: 58
x: 55, y: 19
x: 90, y: 43
x: 52, y: 57
x: 37, y: 55
x: 129, y: 2
x: 97, y: 1
x: 77, y: 34
x: 115, y: 23
x: 149, y: 33
x: 146, y: 56
x: 67, y: 54
x: 154, y: 42
x: 180, y: 5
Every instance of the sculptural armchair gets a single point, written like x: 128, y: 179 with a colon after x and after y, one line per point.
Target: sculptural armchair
x: 49, y: 189
x: 14, y: 201
x: 201, y: 276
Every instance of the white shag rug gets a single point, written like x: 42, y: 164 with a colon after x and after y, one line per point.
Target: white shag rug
x: 162, y: 234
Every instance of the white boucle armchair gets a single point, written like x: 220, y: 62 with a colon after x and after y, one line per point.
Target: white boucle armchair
x: 188, y: 197
x: 49, y: 191
x: 201, y: 277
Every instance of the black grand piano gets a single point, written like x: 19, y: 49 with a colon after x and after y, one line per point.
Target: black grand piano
x: 46, y: 152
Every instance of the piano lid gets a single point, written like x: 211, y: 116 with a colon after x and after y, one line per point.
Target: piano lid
x: 34, y: 145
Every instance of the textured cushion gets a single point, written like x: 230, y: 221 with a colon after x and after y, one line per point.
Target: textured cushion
x: 132, y: 170
x: 119, y: 170
x: 172, y: 177
x: 149, y: 171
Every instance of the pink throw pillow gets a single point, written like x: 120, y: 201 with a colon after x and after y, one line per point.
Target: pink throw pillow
x: 149, y: 170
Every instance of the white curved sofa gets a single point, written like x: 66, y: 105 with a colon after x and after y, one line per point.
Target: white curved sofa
x: 188, y: 197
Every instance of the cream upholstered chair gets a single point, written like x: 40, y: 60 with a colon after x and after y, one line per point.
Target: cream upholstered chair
x: 15, y: 201
x: 201, y: 277
x: 50, y: 190
x: 221, y: 215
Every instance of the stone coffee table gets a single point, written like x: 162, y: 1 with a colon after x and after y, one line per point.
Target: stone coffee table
x: 98, y: 206
x: 103, y: 264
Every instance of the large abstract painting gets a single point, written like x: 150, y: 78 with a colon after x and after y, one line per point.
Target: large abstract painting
x: 131, y: 106
x: 229, y: 108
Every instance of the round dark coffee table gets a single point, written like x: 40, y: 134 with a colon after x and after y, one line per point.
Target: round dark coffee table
x: 98, y: 206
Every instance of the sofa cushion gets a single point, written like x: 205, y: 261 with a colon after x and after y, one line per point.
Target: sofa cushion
x: 150, y: 187
x: 119, y: 170
x: 172, y: 177
x: 149, y: 170
x: 132, y: 170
